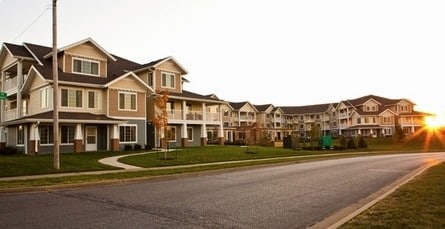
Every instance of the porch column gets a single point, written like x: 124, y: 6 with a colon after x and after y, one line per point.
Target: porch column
x: 2, y: 102
x: 221, y: 134
x: 19, y: 86
x: 204, y: 113
x: 78, y: 139
x: 34, y: 139
x: 2, y: 137
x: 184, y: 135
x: 114, y: 141
x: 184, y: 112
x: 203, y: 135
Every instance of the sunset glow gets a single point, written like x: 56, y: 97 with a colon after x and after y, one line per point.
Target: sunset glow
x: 435, y: 122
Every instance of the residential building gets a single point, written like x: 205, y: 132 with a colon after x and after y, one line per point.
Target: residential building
x: 105, y: 101
x: 239, y: 122
x: 367, y: 116
x: 270, y: 122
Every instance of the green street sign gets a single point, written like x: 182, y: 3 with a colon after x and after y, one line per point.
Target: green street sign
x: 3, y: 95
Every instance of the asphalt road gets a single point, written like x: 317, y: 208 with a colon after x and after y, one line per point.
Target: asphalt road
x: 285, y: 196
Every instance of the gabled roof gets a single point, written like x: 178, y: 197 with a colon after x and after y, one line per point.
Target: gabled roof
x: 158, y: 62
x: 310, y: 109
x: 194, y: 96
x: 18, y: 51
x: 263, y: 107
x: 239, y: 105
x: 87, y: 40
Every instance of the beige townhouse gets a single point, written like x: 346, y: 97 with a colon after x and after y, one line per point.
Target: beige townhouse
x: 270, y: 122
x: 239, y: 122
x: 105, y: 103
x: 370, y: 115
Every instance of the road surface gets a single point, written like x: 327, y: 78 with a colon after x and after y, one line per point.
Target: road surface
x: 282, y: 196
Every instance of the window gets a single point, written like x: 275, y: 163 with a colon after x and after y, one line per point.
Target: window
x: 71, y: 98
x: 127, y: 101
x: 359, y: 120
x: 127, y: 133
x: 94, y: 100
x: 67, y: 134
x: 226, y: 113
x: 44, y: 98
x: 150, y: 79
x: 170, y: 133
x: 46, y: 134
x: 86, y: 67
x: 170, y: 107
x: 20, y: 135
x: 190, y: 133
x: 168, y: 80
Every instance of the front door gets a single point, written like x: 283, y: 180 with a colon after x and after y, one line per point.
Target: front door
x: 91, y: 138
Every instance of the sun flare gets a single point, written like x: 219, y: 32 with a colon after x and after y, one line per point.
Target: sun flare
x: 435, y: 122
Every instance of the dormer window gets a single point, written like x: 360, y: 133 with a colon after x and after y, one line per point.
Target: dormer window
x: 84, y: 66
x: 168, y: 80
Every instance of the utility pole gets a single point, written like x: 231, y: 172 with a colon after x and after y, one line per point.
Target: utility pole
x: 56, y: 162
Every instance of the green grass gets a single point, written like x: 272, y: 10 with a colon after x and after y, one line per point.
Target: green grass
x: 20, y: 165
x: 418, y: 204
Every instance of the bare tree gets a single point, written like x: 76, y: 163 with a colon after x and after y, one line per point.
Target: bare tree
x: 160, y: 120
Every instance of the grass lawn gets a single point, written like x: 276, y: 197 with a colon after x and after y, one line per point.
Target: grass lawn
x: 418, y: 204
x: 20, y: 165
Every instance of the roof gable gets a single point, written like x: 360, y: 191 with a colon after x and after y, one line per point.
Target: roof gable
x: 81, y: 43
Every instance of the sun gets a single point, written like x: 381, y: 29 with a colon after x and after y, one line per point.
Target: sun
x: 435, y: 122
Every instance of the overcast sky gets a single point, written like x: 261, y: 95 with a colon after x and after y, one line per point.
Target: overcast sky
x: 276, y: 51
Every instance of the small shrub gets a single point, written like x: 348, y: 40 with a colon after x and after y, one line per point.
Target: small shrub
x: 9, y: 150
x: 351, y: 143
x: 148, y: 147
x: 137, y: 147
x: 128, y: 147
x: 343, y: 141
x: 361, y: 142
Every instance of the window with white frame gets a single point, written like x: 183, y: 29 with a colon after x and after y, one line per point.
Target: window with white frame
x: 71, y: 98
x: 127, y: 133
x: 127, y: 101
x: 150, y: 80
x: 20, y: 135
x: 67, y: 134
x: 84, y: 66
x: 94, y: 100
x: 168, y: 80
x: 46, y: 134
x: 170, y: 134
x: 190, y: 133
x: 44, y: 98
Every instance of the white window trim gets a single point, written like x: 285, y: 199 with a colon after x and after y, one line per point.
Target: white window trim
x: 60, y: 134
x: 88, y: 60
x: 190, y: 138
x: 174, y: 80
x: 44, y: 102
x: 127, y: 93
x: 71, y: 89
x: 97, y: 100
x: 136, y: 133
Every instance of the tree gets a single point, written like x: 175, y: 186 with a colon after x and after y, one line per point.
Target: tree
x: 160, y: 120
x: 361, y: 142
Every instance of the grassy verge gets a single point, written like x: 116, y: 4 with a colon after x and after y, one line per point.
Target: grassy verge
x: 418, y: 204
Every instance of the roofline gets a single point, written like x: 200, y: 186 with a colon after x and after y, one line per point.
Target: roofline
x: 171, y: 58
x: 79, y: 43
x: 129, y: 74
x: 35, y: 57
x: 195, y: 99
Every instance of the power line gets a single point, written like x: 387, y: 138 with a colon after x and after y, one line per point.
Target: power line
x: 34, y: 21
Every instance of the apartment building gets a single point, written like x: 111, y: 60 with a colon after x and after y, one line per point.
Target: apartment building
x: 369, y: 115
x: 105, y: 101
x: 270, y: 122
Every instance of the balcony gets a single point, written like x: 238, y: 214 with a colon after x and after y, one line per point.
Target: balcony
x: 197, y: 116
x: 11, y: 86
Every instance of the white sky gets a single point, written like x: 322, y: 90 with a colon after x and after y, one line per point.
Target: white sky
x: 281, y: 52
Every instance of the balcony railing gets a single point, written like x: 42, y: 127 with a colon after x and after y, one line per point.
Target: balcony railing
x: 177, y: 115
x: 11, y: 86
x: 10, y: 115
